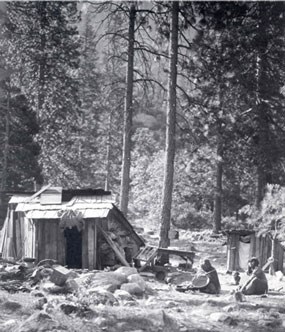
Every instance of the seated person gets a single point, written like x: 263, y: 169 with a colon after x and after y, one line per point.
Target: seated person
x: 257, y: 283
x: 213, y: 286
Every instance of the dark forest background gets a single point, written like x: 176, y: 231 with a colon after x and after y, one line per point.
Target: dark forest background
x: 88, y: 93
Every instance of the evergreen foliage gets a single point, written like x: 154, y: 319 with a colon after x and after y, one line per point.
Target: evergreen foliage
x: 44, y: 51
x: 68, y: 83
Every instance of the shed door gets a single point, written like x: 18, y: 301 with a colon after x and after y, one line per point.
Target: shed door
x: 73, y: 247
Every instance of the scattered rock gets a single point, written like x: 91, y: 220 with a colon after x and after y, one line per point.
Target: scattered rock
x: 222, y: 317
x: 123, y: 295
x: 12, y: 305
x: 39, y: 322
x: 51, y: 288
x: 69, y: 308
x: 37, y: 293
x: 73, y: 275
x: 127, y: 271
x: 132, y: 288
x: 101, y: 296
x: 136, y: 278
x: 8, y: 325
x: 39, y: 303
x: 231, y: 308
x: 115, y: 279
x: 273, y: 323
x: 71, y: 286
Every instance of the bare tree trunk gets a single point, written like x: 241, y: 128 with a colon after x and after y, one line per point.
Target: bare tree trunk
x: 108, y: 153
x: 219, y: 188
x: 128, y: 116
x: 165, y: 217
x: 264, y: 158
x: 6, y: 147
x: 41, y: 91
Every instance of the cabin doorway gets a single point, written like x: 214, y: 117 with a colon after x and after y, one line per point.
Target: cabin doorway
x: 73, y: 248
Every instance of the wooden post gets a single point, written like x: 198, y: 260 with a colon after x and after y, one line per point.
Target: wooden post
x: 90, y: 246
x: 95, y: 244
x: 85, y: 245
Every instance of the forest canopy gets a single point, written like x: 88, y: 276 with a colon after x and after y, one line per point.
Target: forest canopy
x: 146, y: 99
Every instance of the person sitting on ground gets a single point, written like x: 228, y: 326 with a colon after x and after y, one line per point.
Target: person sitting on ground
x: 257, y: 283
x: 213, y: 287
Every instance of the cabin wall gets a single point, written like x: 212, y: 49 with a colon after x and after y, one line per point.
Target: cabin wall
x: 232, y: 252
x: 260, y: 247
x: 18, y: 236
x: 49, y: 240
x: 8, y: 250
x: 90, y: 243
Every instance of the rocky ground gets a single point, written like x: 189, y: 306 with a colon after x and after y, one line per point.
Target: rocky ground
x: 124, y: 301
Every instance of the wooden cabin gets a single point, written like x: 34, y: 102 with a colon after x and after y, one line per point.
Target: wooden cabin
x: 77, y: 228
x: 244, y: 244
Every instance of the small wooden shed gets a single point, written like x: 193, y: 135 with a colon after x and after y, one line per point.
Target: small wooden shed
x: 79, y: 228
x: 244, y: 244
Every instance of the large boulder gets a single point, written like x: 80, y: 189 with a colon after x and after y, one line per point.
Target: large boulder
x: 111, y: 279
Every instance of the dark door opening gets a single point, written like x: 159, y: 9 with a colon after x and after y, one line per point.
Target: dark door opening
x: 73, y: 248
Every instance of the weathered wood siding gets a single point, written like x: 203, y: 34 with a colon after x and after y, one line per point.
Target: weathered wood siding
x: 232, y: 252
x: 89, y: 244
x: 49, y: 240
x: 260, y: 247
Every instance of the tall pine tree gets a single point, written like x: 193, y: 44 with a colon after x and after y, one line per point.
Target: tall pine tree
x: 44, y: 50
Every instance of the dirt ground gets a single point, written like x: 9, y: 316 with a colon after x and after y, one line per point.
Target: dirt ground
x: 202, y: 312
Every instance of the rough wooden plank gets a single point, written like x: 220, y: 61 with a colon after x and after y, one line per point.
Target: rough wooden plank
x: 42, y: 254
x: 257, y: 247
x: 30, y: 237
x: 90, y: 245
x: 229, y: 253
x: 85, y: 246
x: 3, y: 237
x: 47, y: 239
x: 10, y: 224
x: 264, y: 250
x: 22, y: 230
x: 95, y: 244
x: 280, y: 258
x: 235, y: 252
x: 53, y: 240
x: 18, y: 247
x: 37, y: 241
x: 26, y: 237
x: 32, y: 223
x: 252, y: 246
x: 61, y: 249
